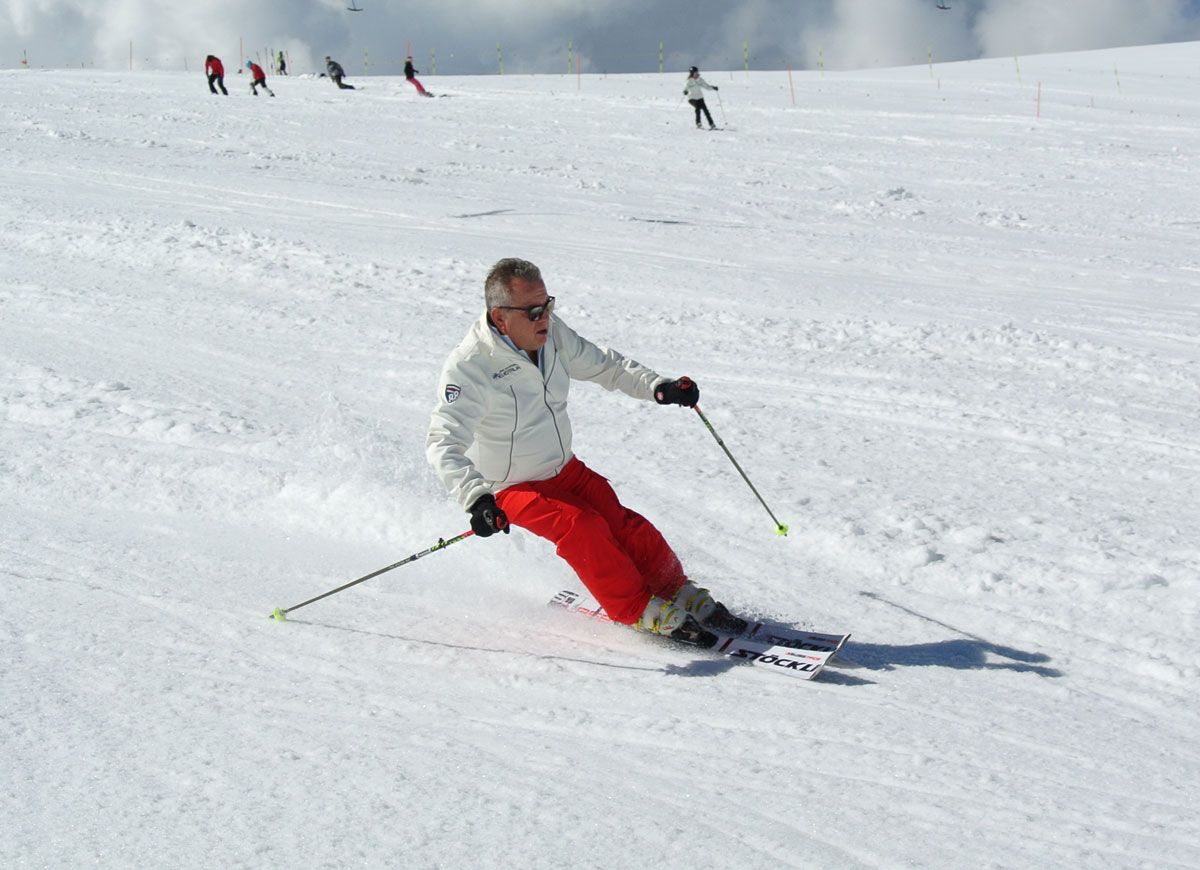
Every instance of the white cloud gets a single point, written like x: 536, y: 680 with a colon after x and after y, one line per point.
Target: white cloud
x: 614, y: 35
x: 886, y: 33
x: 1030, y: 26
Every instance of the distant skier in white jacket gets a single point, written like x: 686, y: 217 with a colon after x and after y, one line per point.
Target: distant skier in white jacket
x: 500, y: 440
x: 694, y: 89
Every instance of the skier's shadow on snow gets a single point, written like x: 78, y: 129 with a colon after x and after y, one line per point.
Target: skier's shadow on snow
x: 960, y: 654
x: 705, y: 667
x: 967, y: 652
x: 479, y: 214
x: 472, y: 648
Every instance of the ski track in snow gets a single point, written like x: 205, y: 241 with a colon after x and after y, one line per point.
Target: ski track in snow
x: 955, y: 347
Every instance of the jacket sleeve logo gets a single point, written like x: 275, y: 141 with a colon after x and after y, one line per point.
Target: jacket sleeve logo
x: 453, y: 391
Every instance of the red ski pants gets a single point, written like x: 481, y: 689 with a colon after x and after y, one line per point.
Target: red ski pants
x: 619, y: 555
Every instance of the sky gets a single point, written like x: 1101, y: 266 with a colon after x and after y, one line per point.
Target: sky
x: 461, y: 36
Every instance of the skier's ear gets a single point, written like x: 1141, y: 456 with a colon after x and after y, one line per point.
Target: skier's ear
x: 498, y: 316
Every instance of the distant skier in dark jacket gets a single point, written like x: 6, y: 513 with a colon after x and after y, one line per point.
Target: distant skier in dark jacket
x: 337, y: 73
x: 694, y: 89
x: 215, y: 70
x: 258, y: 78
x: 410, y: 73
x: 280, y: 63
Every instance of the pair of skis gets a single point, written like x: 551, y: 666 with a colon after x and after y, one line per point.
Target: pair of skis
x: 799, y: 654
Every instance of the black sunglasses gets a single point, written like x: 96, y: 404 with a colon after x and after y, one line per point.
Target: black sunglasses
x: 533, y: 312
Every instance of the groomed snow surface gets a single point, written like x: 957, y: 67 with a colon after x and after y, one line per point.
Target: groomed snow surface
x: 955, y: 346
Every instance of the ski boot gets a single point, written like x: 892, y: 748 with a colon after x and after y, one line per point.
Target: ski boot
x: 694, y: 634
x: 709, y: 612
x: 670, y: 619
x: 722, y: 620
x: 661, y: 617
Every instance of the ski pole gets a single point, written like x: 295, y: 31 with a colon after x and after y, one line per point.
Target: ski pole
x: 780, y: 528
x: 724, y: 123
x: 280, y: 613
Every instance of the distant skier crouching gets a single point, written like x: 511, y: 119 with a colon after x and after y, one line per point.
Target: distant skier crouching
x: 335, y: 71
x: 258, y: 78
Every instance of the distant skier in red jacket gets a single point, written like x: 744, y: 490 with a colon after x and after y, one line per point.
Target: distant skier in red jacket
x: 215, y: 70
x: 257, y: 77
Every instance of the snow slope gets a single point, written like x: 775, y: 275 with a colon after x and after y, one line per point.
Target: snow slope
x: 956, y: 347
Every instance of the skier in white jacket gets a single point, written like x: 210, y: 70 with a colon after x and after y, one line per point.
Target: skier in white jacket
x: 694, y: 89
x: 500, y: 440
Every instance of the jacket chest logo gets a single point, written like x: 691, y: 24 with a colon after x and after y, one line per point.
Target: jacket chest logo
x: 505, y: 372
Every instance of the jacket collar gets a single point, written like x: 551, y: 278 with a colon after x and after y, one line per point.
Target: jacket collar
x: 493, y: 339
x: 497, y: 342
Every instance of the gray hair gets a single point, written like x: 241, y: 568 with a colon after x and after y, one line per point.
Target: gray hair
x: 497, y: 286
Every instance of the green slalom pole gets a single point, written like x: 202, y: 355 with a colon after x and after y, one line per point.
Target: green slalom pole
x: 780, y: 528
x: 280, y: 613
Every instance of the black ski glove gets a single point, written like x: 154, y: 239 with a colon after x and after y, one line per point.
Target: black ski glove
x: 715, y: 88
x: 487, y: 518
x: 681, y: 391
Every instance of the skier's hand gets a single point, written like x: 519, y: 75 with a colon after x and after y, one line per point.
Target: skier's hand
x: 681, y: 391
x: 487, y: 518
x: 715, y: 88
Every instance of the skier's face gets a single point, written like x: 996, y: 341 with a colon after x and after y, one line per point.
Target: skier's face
x: 525, y: 333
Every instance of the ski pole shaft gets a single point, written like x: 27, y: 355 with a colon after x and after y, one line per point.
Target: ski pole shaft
x: 280, y: 613
x: 724, y: 123
x: 780, y: 528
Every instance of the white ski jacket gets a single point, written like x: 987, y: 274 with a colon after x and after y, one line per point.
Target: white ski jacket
x: 695, y: 87
x: 502, y: 419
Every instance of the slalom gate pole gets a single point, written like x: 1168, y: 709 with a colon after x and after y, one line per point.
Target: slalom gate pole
x: 280, y: 613
x: 780, y: 528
